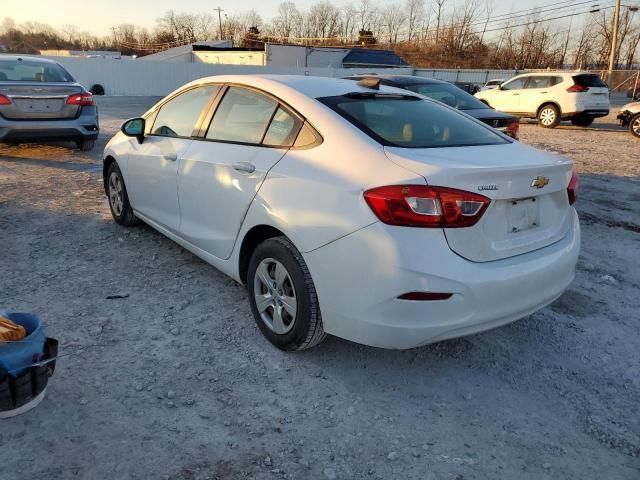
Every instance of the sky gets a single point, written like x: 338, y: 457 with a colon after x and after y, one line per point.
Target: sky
x: 98, y: 17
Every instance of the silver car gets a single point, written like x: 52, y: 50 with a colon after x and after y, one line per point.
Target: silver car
x: 629, y: 116
x: 40, y: 101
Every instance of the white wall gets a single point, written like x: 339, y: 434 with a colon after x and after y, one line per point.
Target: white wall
x: 134, y: 77
x: 230, y: 57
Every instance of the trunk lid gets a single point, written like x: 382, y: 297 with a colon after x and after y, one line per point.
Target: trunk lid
x: 528, y: 190
x: 38, y: 100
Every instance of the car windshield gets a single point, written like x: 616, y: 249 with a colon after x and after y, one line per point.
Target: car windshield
x: 411, y: 122
x: 449, y: 94
x: 32, y: 71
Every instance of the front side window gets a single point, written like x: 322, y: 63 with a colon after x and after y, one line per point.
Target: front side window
x: 449, y: 94
x: 410, y: 122
x: 178, y: 117
x: 243, y: 116
x: 514, y: 84
x: 32, y: 71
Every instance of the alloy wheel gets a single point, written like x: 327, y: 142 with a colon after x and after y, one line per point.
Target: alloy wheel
x: 116, y: 193
x: 635, y: 126
x: 547, y: 116
x: 275, y: 296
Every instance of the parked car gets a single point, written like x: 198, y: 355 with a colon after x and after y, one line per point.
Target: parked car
x: 492, y: 84
x: 367, y: 212
x: 552, y: 96
x: 470, y: 88
x: 634, y: 91
x: 40, y: 101
x: 629, y: 116
x: 453, y: 96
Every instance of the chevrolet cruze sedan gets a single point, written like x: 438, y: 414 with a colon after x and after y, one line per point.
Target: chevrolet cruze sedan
x: 40, y: 101
x: 351, y: 209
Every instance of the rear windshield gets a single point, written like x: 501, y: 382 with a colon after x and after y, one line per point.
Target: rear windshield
x: 411, y: 122
x: 449, y: 94
x: 32, y: 71
x: 589, y: 81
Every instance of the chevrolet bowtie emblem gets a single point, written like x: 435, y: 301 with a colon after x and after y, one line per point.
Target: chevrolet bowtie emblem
x: 539, y: 182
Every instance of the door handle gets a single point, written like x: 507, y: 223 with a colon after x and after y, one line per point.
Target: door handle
x: 244, y: 167
x: 543, y: 92
x: 515, y: 94
x: 172, y: 157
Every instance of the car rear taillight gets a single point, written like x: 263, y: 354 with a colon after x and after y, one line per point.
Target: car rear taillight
x: 572, y: 189
x: 426, y: 206
x: 4, y: 100
x: 513, y: 128
x: 577, y: 88
x: 82, y: 99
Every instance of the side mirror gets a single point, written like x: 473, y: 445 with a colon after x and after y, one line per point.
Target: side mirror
x: 134, y: 128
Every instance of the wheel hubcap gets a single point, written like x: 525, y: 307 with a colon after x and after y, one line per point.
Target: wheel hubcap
x: 636, y: 126
x: 116, y: 194
x: 275, y: 296
x: 547, y: 116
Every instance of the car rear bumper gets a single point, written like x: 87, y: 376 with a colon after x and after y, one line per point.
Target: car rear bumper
x: 83, y: 127
x: 588, y: 112
x: 379, y: 263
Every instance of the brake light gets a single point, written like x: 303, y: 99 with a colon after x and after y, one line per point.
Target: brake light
x: 513, y: 128
x: 577, y: 88
x: 4, y: 100
x: 426, y: 206
x: 572, y: 189
x: 83, y: 99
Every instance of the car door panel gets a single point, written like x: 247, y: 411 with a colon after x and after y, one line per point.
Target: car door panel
x: 152, y: 178
x: 217, y: 182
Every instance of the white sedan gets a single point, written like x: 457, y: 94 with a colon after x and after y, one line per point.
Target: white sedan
x: 352, y: 209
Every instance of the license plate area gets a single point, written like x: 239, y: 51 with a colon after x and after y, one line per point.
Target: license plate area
x: 39, y: 106
x: 523, y: 215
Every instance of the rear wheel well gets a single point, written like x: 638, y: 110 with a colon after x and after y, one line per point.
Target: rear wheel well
x: 252, y: 239
x: 105, y: 169
x: 548, y: 103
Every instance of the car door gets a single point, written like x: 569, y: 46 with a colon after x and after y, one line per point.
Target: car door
x: 152, y: 167
x: 221, y: 173
x: 506, y: 98
x: 536, y: 92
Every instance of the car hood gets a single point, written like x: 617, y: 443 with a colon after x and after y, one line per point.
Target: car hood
x: 632, y: 107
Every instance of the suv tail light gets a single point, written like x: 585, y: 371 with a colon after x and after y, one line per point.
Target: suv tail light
x: 4, y: 100
x: 83, y: 99
x: 577, y: 88
x: 426, y: 206
x: 572, y: 189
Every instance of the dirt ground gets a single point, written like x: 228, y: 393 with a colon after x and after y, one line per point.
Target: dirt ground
x: 174, y: 381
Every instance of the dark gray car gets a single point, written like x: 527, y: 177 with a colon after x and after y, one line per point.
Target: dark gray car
x: 40, y: 101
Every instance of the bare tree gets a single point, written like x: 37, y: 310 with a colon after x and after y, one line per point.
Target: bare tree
x: 415, y: 14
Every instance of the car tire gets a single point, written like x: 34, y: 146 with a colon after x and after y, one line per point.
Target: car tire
x: 582, y: 121
x: 86, y: 145
x: 118, y: 199
x: 549, y: 116
x: 634, y: 125
x: 283, y: 297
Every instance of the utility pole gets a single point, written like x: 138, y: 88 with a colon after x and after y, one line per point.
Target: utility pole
x: 220, y: 20
x: 614, y: 37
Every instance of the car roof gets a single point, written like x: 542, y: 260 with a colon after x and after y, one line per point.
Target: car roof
x: 309, y: 86
x: 556, y: 72
x: 27, y: 57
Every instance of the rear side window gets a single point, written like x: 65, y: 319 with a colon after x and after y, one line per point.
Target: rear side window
x: 243, y: 116
x: 589, y: 81
x: 411, y: 122
x: 282, y: 130
x: 556, y: 80
x: 539, y: 82
x: 178, y: 117
x: 32, y: 71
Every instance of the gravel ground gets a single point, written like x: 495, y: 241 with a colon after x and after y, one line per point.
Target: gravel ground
x: 175, y: 381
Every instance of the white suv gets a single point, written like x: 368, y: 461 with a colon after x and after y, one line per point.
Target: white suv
x: 552, y: 96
